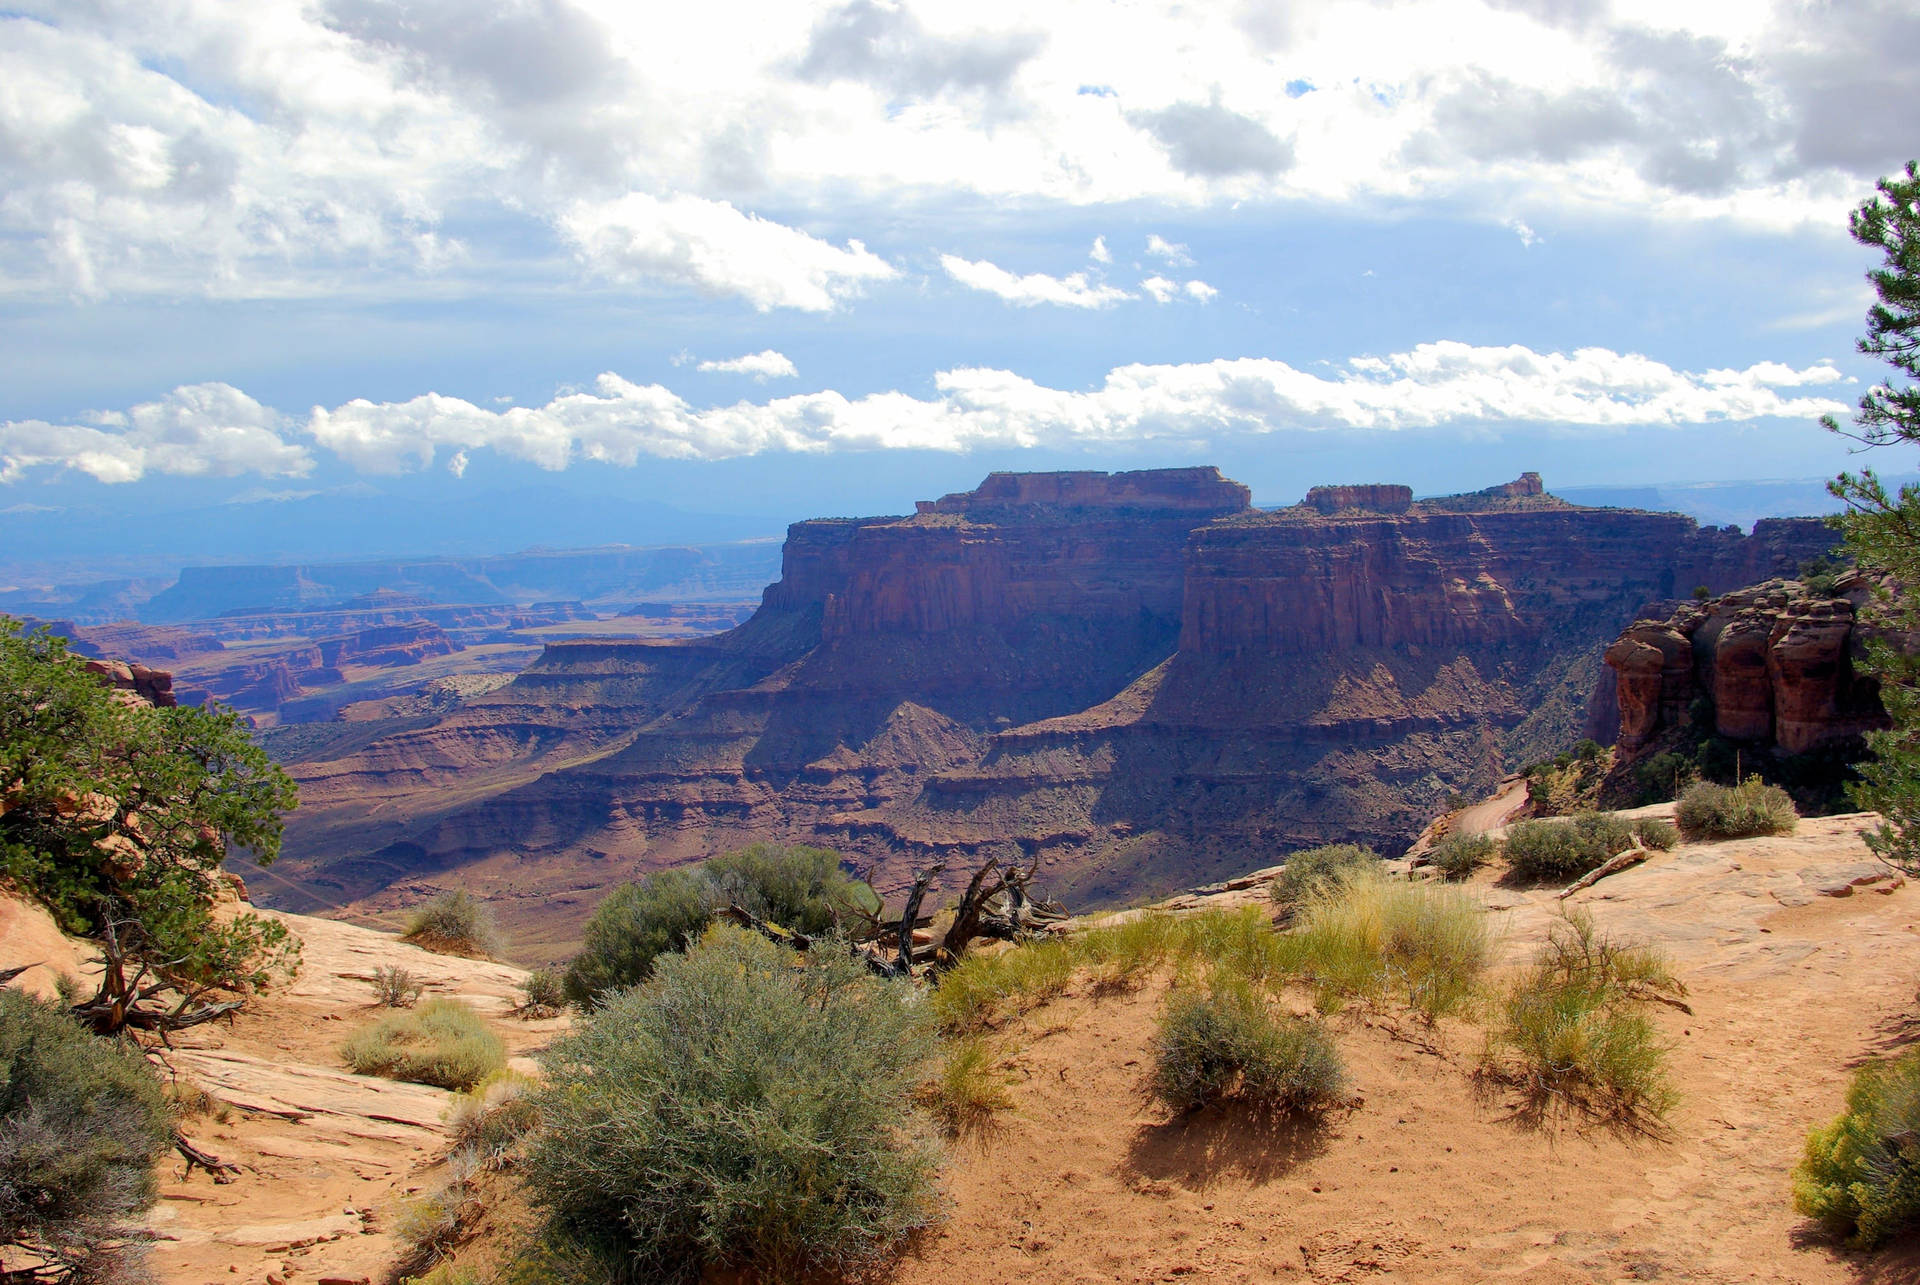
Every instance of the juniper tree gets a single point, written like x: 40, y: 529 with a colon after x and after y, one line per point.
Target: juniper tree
x: 1883, y: 527
x: 118, y: 815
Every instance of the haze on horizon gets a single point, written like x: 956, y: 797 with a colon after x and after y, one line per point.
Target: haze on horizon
x: 604, y: 268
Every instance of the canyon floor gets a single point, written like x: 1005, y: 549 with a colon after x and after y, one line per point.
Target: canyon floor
x: 1430, y: 1176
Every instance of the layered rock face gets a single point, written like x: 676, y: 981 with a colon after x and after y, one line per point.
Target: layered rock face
x: 1774, y: 664
x: 1134, y: 677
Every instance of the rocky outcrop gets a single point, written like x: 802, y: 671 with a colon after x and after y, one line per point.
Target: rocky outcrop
x: 406, y: 644
x: 1376, y: 499
x: 150, y: 686
x: 1135, y: 677
x: 1773, y: 663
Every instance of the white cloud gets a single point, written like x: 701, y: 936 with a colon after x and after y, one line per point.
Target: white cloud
x: 1100, y: 253
x: 1172, y: 252
x: 1071, y: 291
x: 764, y: 365
x: 214, y: 429
x: 299, y: 146
x: 1201, y: 291
x: 1528, y: 237
x: 717, y: 249
x: 1160, y: 288
x: 196, y: 430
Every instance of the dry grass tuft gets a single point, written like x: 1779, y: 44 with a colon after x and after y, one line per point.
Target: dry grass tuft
x: 443, y: 1042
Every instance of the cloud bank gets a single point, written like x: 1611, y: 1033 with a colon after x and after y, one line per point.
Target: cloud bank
x: 304, y: 146
x: 218, y: 430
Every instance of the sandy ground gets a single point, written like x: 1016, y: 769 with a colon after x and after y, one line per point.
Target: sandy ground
x: 328, y: 1158
x: 1433, y: 1179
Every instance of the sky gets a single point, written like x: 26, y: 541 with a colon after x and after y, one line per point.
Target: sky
x: 773, y: 260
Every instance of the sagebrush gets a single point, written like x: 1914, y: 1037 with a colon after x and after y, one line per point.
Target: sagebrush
x: 742, y: 1108
x: 83, y: 1121
x: 454, y: 923
x: 1566, y: 849
x: 801, y: 888
x: 1228, y: 1042
x: 1457, y: 856
x: 1316, y: 868
x: 1746, y: 810
x: 443, y: 1042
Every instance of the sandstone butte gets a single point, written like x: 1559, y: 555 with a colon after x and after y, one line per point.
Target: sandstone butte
x: 1137, y: 678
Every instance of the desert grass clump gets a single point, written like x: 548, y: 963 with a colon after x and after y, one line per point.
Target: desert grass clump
x: 1573, y: 1029
x: 395, y: 987
x: 1458, y: 855
x: 985, y: 985
x: 454, y: 923
x: 1316, y: 868
x: 969, y: 1087
x: 1861, y: 1173
x: 488, y: 1120
x: 1656, y: 834
x: 1370, y: 937
x: 83, y: 1122
x: 443, y: 1042
x: 1709, y: 811
x: 744, y: 1109
x: 1555, y: 850
x: 543, y: 993
x: 1227, y: 1043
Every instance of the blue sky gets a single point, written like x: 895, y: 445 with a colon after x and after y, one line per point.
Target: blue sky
x: 435, y: 249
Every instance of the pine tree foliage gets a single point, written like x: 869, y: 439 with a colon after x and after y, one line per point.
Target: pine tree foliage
x: 1883, y: 527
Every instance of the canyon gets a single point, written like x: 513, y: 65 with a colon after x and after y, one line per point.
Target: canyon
x: 1137, y: 679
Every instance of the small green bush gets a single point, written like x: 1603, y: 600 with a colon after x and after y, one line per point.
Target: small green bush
x: 1654, y: 833
x: 488, y: 1120
x: 1557, y: 850
x: 1663, y: 776
x: 1227, y: 1043
x: 1709, y: 811
x: 794, y: 886
x: 454, y: 923
x: 1371, y: 937
x: 1458, y: 855
x: 1571, y: 1030
x: 744, y: 1108
x: 1861, y: 1173
x: 543, y: 993
x: 1316, y: 868
x: 443, y: 1042
x: 83, y: 1121
x: 395, y: 987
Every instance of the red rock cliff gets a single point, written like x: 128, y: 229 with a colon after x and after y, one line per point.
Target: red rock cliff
x: 1773, y: 663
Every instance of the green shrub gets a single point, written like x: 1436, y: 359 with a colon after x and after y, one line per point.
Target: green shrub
x: 443, y: 1042
x: 796, y: 887
x: 1571, y: 1030
x: 1559, y: 850
x: 1861, y: 1174
x: 1227, y: 1043
x: 969, y: 1088
x: 1709, y: 811
x: 1663, y: 776
x: 1371, y: 937
x: 1317, y: 868
x: 1654, y: 833
x: 742, y: 1108
x: 83, y: 1121
x: 454, y: 923
x: 488, y: 1120
x: 543, y: 993
x: 1458, y: 855
x: 395, y: 987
